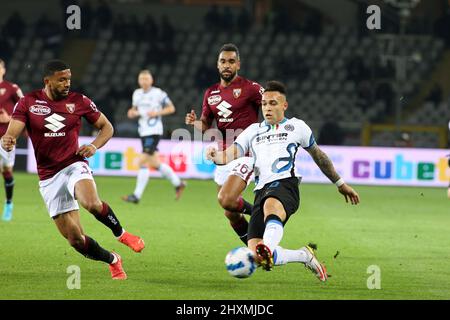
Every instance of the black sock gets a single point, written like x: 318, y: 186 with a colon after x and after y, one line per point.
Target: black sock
x: 109, y: 219
x: 9, y: 187
x: 244, y: 206
x: 92, y: 250
x: 248, y: 207
x: 241, y: 229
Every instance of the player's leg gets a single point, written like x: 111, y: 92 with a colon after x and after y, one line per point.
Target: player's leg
x: 168, y: 173
x: 7, y: 163
x: 229, y: 196
x: 86, y: 194
x: 141, y: 179
x: 69, y: 226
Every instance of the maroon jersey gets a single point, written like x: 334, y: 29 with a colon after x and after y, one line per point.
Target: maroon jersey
x: 54, y: 127
x: 234, y: 107
x: 8, y: 98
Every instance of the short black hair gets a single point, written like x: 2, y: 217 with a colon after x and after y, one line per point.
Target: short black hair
x: 53, y: 66
x: 274, y: 85
x: 230, y: 47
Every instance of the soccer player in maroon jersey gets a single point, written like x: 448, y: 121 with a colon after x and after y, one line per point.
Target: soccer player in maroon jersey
x: 10, y: 93
x: 234, y: 104
x: 52, y: 117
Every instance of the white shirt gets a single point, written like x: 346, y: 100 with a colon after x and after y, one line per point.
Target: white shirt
x: 274, y: 148
x: 152, y: 100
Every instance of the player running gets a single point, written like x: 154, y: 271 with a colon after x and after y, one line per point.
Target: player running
x: 234, y: 104
x: 10, y: 93
x: 150, y: 104
x: 52, y: 117
x: 274, y: 144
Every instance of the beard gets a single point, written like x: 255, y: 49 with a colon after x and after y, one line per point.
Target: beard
x: 59, y: 95
x: 229, y: 77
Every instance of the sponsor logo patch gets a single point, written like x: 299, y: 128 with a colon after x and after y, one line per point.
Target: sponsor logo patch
x: 39, y: 110
x: 212, y: 100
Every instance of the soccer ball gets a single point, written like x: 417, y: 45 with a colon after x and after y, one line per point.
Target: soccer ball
x: 240, y: 262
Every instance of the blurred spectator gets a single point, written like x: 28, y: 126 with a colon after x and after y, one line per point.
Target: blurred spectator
x: 442, y: 27
x: 14, y: 26
x: 204, y: 76
x: 385, y: 93
x: 49, y: 31
x: 404, y: 141
x: 313, y: 23
x: 244, y: 21
x: 149, y: 29
x: 212, y: 19
x: 331, y: 134
x: 435, y: 95
x: 226, y: 20
x: 167, y: 33
x: 103, y: 15
x: 5, y: 49
x: 356, y: 69
x: 280, y: 21
x: 364, y: 94
x: 119, y: 27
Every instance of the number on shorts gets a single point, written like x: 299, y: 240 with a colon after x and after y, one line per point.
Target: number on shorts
x: 244, y: 169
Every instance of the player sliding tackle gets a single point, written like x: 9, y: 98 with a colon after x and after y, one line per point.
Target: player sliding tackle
x: 274, y: 144
x: 52, y: 117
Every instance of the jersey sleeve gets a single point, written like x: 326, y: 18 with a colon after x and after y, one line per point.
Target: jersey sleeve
x: 20, y: 110
x: 165, y: 100
x: 15, y: 97
x: 134, y: 99
x: 257, y: 94
x: 306, y: 136
x: 244, y: 139
x: 206, y: 110
x: 90, y: 111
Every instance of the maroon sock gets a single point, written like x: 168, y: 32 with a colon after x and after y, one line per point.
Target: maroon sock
x: 241, y: 229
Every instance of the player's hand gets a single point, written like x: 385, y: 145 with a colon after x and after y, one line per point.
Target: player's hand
x: 349, y: 193
x: 86, y: 150
x: 8, y: 142
x: 152, y: 114
x: 191, y: 118
x: 132, y: 113
x: 211, y: 153
x: 4, y: 116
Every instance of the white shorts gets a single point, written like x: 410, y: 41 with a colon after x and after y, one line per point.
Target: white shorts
x: 7, y: 158
x: 241, y: 167
x: 58, y: 192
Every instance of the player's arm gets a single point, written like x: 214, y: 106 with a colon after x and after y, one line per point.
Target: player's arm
x: 327, y: 167
x: 105, y: 132
x: 202, y: 125
x: 168, y: 109
x: 15, y: 128
x: 223, y: 157
x: 133, y: 113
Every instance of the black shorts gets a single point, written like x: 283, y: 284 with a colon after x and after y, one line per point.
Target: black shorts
x: 150, y: 144
x: 286, y: 191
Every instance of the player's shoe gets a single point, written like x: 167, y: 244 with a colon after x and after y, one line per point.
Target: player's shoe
x: 264, y: 256
x: 7, y: 212
x: 313, y: 264
x: 179, y: 190
x: 136, y: 243
x: 116, y: 269
x: 131, y: 198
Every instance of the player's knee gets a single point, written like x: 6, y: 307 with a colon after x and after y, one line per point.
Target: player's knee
x: 272, y: 205
x: 226, y: 201
x: 94, y: 206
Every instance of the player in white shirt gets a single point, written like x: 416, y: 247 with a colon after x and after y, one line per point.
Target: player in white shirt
x: 274, y: 144
x: 150, y: 104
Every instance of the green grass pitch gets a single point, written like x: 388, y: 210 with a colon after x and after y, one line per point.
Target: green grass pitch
x: 403, y: 231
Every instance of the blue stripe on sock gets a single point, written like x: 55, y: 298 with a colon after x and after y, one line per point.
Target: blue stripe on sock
x: 274, y: 221
x: 275, y: 255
